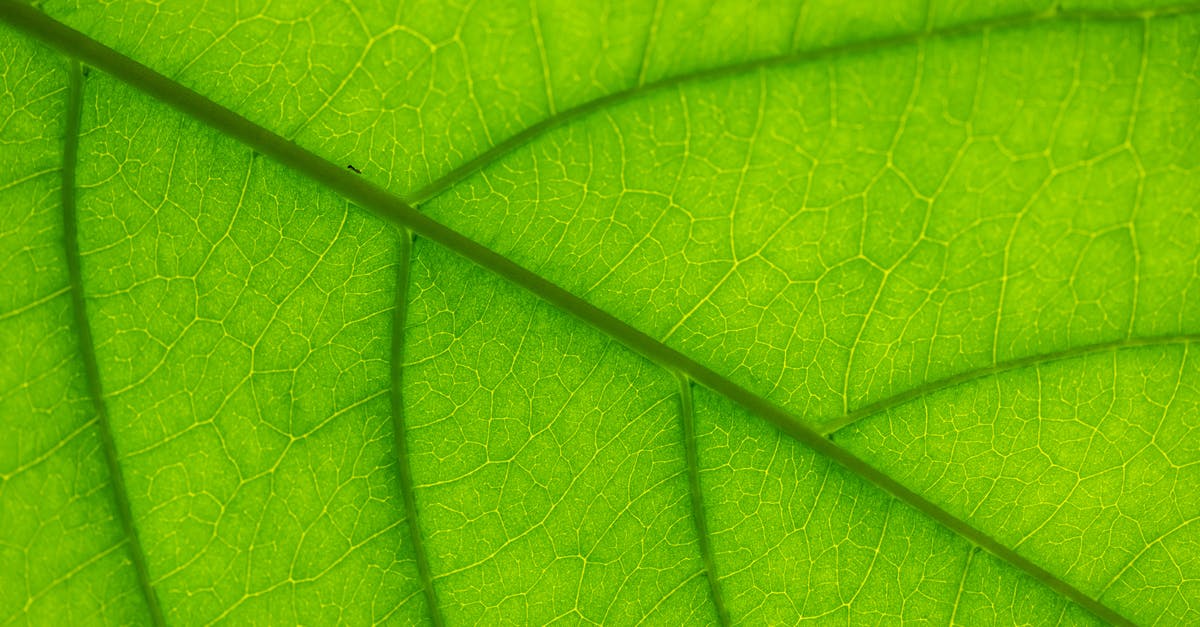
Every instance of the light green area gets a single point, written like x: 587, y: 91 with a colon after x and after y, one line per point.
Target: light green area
x: 548, y: 461
x: 63, y: 556
x: 242, y: 318
x: 797, y: 539
x: 1089, y: 464
x: 832, y: 204
x: 409, y: 90
x: 830, y: 234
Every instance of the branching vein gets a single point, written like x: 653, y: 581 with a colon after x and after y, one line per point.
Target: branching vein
x: 392, y: 208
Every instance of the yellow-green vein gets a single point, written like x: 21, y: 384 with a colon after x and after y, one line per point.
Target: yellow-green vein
x: 394, y: 209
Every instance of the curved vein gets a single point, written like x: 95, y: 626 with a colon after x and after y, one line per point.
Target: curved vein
x: 880, y: 406
x: 392, y: 208
x: 687, y: 416
x: 562, y: 118
x: 400, y: 431
x: 87, y: 348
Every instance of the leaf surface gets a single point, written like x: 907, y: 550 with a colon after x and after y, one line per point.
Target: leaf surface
x: 810, y: 313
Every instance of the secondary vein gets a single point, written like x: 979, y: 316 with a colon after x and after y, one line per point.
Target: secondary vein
x: 562, y: 118
x: 392, y: 208
x: 400, y: 431
x: 687, y: 416
x: 87, y: 347
x: 883, y: 405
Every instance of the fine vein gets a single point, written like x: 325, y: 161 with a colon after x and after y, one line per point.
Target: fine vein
x: 400, y: 432
x: 390, y: 207
x: 931, y: 387
x: 687, y: 416
x: 962, y: 584
x: 87, y: 349
x: 562, y: 118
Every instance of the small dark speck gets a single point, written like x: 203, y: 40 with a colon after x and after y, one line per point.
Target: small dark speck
x: 87, y: 71
x: 356, y: 170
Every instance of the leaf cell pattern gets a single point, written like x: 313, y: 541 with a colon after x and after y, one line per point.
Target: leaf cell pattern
x: 956, y: 244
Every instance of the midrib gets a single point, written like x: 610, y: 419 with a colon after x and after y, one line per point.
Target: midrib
x: 83, y: 49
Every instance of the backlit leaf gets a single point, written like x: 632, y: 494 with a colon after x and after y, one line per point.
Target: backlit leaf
x: 707, y: 312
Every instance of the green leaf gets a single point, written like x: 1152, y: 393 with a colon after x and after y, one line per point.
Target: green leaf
x: 674, y: 312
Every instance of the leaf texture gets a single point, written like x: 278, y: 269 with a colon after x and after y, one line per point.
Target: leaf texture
x: 714, y: 313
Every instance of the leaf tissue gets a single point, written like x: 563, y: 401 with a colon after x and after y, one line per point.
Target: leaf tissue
x: 624, y: 312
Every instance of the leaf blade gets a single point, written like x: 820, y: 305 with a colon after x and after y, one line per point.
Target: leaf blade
x: 603, y: 320
x: 62, y: 540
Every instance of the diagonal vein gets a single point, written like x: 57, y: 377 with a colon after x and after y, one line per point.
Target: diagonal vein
x: 883, y: 405
x: 562, y: 118
x: 87, y: 347
x: 687, y: 416
x: 400, y: 431
x: 392, y: 208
